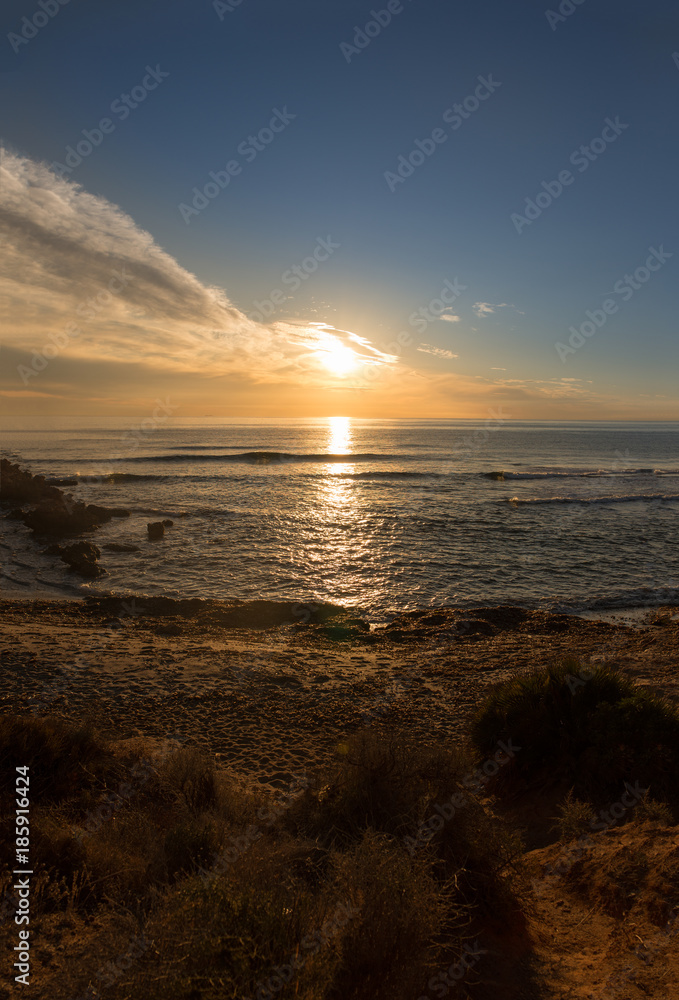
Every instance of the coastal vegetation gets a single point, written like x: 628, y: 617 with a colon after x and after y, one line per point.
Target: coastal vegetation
x: 396, y: 870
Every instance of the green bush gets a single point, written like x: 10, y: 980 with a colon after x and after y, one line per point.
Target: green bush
x: 588, y: 728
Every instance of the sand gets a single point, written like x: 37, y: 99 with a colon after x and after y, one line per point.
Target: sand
x: 268, y: 703
x: 272, y: 703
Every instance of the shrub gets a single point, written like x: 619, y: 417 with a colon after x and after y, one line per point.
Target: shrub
x: 62, y: 759
x: 377, y: 782
x: 399, y: 913
x: 227, y: 939
x: 188, y: 846
x: 192, y: 773
x: 574, y: 817
x: 384, y: 785
x: 587, y: 728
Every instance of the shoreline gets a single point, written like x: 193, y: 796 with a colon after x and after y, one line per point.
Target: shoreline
x: 635, y: 616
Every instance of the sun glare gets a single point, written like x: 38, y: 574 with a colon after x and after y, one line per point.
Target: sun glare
x: 337, y: 358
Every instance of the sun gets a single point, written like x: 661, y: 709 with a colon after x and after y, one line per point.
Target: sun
x: 337, y: 358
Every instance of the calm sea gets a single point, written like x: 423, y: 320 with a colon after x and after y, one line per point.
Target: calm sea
x: 380, y: 515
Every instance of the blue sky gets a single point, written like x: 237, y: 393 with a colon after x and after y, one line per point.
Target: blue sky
x: 323, y: 176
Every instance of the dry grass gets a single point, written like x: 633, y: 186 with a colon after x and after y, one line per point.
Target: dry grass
x: 158, y: 877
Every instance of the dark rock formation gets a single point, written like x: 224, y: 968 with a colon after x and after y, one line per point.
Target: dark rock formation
x: 81, y: 557
x: 167, y: 523
x: 21, y: 486
x: 66, y: 517
x: 329, y: 620
x: 52, y: 512
x: 155, y: 529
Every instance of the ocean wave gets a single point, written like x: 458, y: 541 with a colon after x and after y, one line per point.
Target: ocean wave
x: 118, y: 477
x: 501, y: 475
x: 385, y: 475
x: 268, y: 458
x: 169, y: 478
x: 624, y: 498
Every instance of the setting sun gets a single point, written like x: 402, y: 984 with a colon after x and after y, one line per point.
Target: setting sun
x: 338, y: 358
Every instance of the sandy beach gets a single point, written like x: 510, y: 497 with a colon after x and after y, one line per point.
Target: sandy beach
x: 270, y: 701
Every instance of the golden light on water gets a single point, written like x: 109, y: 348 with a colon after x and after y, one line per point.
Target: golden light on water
x: 339, y: 435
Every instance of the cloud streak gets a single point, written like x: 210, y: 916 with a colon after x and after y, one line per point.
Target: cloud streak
x: 438, y: 352
x: 62, y: 250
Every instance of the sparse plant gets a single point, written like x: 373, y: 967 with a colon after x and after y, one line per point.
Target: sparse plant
x: 587, y: 728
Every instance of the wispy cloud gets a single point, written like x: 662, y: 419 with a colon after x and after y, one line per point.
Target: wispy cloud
x: 554, y: 388
x: 439, y: 352
x: 483, y: 309
x: 61, y: 248
x: 450, y: 317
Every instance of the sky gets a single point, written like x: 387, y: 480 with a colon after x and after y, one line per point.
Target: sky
x: 414, y: 208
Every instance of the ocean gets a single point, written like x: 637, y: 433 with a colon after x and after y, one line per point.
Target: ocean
x: 380, y: 515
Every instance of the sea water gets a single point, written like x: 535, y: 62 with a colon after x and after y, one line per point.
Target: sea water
x: 380, y: 515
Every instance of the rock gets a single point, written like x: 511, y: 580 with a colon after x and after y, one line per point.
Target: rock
x: 243, y: 614
x: 66, y: 516
x: 16, y: 484
x: 81, y: 557
x: 119, y: 547
x: 167, y: 523
x: 53, y: 512
x: 16, y: 515
x: 155, y: 529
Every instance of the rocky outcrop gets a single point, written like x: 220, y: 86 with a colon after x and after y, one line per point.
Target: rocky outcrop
x: 328, y: 620
x: 66, y: 517
x: 81, y: 557
x: 50, y: 511
x: 155, y: 529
